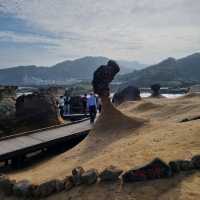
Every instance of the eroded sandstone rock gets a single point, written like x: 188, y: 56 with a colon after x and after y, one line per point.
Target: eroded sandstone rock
x: 37, y: 110
x: 155, y: 90
x: 102, y: 78
x: 130, y: 93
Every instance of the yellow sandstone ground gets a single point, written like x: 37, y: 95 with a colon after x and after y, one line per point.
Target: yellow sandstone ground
x: 128, y: 138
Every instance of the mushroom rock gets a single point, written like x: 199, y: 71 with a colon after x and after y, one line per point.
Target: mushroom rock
x: 156, y: 90
x: 110, y: 118
x: 102, y: 78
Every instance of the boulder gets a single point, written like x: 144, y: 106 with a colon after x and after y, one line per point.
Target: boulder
x: 76, y: 175
x: 196, y: 161
x: 89, y: 177
x: 23, y: 189
x: 37, y: 110
x: 110, y: 173
x: 6, y: 185
x: 103, y: 76
x: 45, y: 189
x: 130, y: 93
x: 154, y: 170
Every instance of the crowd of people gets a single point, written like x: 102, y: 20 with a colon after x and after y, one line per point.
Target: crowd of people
x: 90, y: 104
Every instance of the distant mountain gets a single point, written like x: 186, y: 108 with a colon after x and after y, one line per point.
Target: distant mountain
x: 170, y: 72
x: 129, y: 66
x: 66, y: 72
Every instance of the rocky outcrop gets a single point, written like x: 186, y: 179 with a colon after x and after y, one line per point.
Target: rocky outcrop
x: 7, y: 109
x: 37, y: 110
x: 130, y: 93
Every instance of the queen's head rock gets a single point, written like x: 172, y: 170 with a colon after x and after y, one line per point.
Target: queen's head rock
x: 103, y: 77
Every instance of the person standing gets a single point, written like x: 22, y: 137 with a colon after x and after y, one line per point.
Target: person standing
x: 92, y: 106
x: 67, y: 105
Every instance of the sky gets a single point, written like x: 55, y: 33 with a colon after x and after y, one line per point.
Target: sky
x: 44, y: 32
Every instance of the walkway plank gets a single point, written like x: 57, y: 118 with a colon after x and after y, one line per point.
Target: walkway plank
x: 20, y: 144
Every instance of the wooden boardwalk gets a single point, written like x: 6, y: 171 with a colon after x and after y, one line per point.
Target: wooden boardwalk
x: 21, y: 144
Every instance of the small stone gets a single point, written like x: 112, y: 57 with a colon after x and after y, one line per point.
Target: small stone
x: 76, y: 175
x: 60, y: 185
x: 154, y: 170
x: 6, y: 185
x: 111, y: 173
x: 46, y: 189
x: 181, y: 165
x: 69, y: 184
x: 23, y: 188
x: 175, y: 168
x: 78, y: 171
x: 89, y: 177
x: 186, y: 165
x: 196, y: 161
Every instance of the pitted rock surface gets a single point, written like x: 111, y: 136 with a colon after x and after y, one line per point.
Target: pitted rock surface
x: 37, y: 110
x: 103, y: 76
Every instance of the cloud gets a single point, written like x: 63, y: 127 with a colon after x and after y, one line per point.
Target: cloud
x: 132, y: 29
x: 9, y: 36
